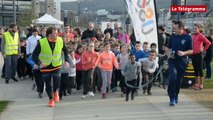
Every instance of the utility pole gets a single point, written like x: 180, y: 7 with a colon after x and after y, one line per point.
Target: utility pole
x: 79, y: 7
x: 185, y: 15
x: 78, y: 12
x: 179, y: 13
x: 14, y: 12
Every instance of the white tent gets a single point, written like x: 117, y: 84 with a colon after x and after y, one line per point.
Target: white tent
x: 48, y: 20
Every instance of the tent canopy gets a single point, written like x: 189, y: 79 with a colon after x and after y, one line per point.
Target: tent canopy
x: 48, y: 19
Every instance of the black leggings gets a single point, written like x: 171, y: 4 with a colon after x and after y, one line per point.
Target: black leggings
x: 78, y: 79
x: 39, y: 81
x: 122, y: 84
x: 130, y: 90
x: 21, y: 67
x: 197, y: 61
x: 47, y: 77
x: 63, y: 85
x: 97, y: 79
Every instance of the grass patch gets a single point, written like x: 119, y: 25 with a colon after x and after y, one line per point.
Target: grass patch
x: 3, y: 105
x: 208, y: 83
x: 203, y: 97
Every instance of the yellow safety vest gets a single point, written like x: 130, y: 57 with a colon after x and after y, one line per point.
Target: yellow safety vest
x: 46, y: 55
x: 11, y: 43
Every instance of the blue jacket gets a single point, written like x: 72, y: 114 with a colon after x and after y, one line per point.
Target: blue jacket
x: 30, y: 61
x: 138, y: 54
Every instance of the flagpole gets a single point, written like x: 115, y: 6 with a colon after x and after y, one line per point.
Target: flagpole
x: 123, y: 23
x: 156, y: 24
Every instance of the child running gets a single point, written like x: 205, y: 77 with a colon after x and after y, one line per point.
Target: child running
x: 106, y: 61
x: 131, y: 71
x: 79, y: 69
x: 122, y: 59
x: 149, y: 67
x: 89, y: 62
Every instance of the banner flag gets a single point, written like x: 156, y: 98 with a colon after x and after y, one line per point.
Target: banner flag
x: 143, y: 17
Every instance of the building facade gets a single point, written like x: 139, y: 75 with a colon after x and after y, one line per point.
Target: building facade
x: 6, y: 10
x: 39, y: 8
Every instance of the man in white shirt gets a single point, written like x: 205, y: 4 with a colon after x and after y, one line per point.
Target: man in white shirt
x: 32, y: 42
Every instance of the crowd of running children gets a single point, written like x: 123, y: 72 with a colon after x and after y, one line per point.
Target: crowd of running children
x: 98, y: 61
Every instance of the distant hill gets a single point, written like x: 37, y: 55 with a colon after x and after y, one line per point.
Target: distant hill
x: 116, y: 5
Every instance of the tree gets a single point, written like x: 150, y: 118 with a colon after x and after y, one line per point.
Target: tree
x: 208, y: 24
x: 26, y: 18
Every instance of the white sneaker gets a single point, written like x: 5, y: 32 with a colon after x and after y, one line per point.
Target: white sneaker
x: 83, y: 96
x: 90, y: 94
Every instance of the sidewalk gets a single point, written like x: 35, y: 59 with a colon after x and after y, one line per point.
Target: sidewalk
x: 27, y: 106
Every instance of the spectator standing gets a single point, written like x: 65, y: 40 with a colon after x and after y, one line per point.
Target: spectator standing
x: 67, y: 32
x: 132, y: 37
x: 10, y: 48
x: 1, y: 38
x: 115, y: 30
x: 123, y: 37
x: 162, y: 39
x: 43, y: 32
x: 197, y: 58
x: 208, y: 56
x: 89, y: 33
x: 109, y: 29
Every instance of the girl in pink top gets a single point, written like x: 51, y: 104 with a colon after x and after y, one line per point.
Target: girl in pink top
x: 79, y: 68
x: 197, y: 58
x: 106, y: 62
x: 120, y: 37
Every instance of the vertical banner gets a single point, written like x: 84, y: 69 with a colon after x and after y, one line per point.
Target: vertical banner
x: 143, y: 17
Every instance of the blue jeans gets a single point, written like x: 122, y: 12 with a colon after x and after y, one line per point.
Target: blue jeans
x: 176, y: 73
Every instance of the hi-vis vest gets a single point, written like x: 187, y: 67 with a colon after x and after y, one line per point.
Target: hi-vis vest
x: 47, y: 56
x: 11, y: 43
